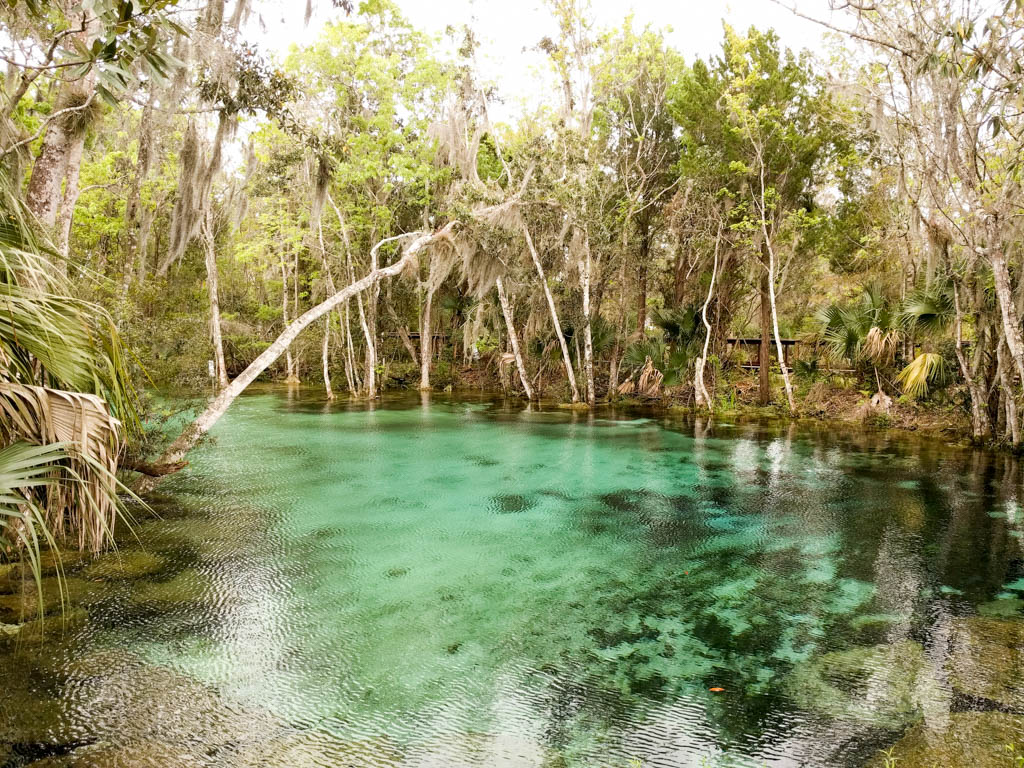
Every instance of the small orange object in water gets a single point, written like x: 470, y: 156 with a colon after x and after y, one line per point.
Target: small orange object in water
x: 686, y: 572
x: 716, y: 690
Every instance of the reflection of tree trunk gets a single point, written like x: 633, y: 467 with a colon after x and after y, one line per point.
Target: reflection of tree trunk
x: 211, y: 282
x: 513, y: 338
x: 554, y: 314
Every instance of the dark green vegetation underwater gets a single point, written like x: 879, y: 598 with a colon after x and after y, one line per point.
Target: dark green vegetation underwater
x: 442, y: 582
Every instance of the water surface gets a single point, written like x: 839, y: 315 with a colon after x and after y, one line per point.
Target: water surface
x: 448, y: 583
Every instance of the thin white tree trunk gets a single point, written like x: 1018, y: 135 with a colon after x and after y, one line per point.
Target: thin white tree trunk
x: 202, y: 424
x: 371, y: 348
x: 513, y: 338
x: 288, y: 362
x: 554, y: 314
x: 588, y: 338
x: 771, y: 297
x: 351, y: 374
x: 212, y: 287
x: 426, y: 341
x: 326, y: 354
x: 700, y: 388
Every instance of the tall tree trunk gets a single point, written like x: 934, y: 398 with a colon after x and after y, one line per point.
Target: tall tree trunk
x: 641, y: 281
x: 701, y: 390
x: 763, y: 364
x: 370, y: 379
x: 289, y: 363
x: 351, y: 374
x: 1008, y: 310
x: 1009, y: 401
x: 554, y: 314
x: 426, y: 340
x: 326, y: 357
x: 979, y: 412
x: 775, y: 320
x: 588, y: 338
x: 70, y: 197
x: 211, y: 283
x: 44, y: 185
x: 202, y: 424
x: 513, y: 338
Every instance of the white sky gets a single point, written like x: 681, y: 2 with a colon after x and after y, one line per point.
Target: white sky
x: 509, y: 29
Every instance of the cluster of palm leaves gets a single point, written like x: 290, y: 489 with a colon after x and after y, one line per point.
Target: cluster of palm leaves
x: 677, y: 346
x: 66, y: 400
x: 871, y: 331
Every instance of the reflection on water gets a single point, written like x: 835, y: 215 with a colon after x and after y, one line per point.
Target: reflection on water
x: 440, y: 583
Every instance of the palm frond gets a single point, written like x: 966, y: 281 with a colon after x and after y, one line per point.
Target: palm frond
x: 926, y: 370
x: 929, y: 310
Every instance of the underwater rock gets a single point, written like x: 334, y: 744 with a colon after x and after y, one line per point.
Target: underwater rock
x: 187, y: 586
x: 139, y: 755
x: 56, y: 594
x: 975, y: 739
x: 511, y: 503
x: 116, y: 697
x: 987, y: 659
x: 53, y: 625
x: 124, y: 564
x: 1002, y: 606
x: 882, y: 685
x: 312, y: 749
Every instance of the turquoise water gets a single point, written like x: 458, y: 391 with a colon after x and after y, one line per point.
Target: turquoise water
x: 443, y: 582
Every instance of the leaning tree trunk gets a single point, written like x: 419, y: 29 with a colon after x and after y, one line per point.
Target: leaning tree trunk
x: 513, y: 338
x: 554, y: 314
x: 195, y: 431
x: 211, y: 282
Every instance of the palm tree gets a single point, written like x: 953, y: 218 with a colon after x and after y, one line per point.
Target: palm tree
x: 66, y: 400
x: 872, y: 329
x: 927, y: 312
